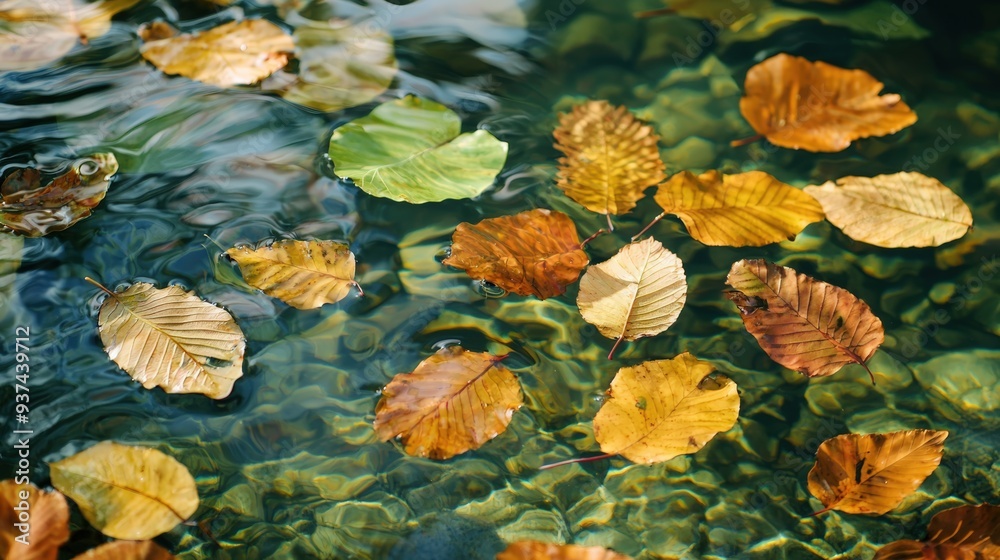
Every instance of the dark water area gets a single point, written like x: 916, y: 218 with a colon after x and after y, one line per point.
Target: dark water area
x: 289, y: 466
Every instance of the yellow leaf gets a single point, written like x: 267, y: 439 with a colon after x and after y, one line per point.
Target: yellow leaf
x: 40, y: 518
x: 660, y: 409
x: 873, y: 473
x: 638, y: 292
x: 235, y: 53
x: 750, y: 208
x: 610, y: 157
x: 303, y: 274
x: 536, y: 550
x: 173, y: 339
x: 127, y: 492
x: 126, y: 550
x: 898, y: 210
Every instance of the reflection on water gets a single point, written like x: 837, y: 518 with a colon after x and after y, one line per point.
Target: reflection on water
x: 289, y: 465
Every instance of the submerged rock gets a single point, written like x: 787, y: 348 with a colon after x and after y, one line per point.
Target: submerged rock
x: 449, y: 537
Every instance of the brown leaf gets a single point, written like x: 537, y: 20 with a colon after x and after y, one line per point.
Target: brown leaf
x: 532, y: 253
x: 126, y: 550
x: 873, y: 473
x: 610, y: 157
x: 39, y: 535
x: 535, y: 550
x: 960, y: 533
x: 803, y: 324
x: 454, y: 401
x: 818, y: 107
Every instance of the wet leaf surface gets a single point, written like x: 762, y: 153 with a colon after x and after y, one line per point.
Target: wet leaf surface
x: 961, y: 533
x: 46, y: 528
x: 535, y: 550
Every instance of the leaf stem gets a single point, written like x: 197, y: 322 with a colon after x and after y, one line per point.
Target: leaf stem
x: 576, y: 460
x: 653, y: 13
x: 745, y: 141
x: 361, y: 293
x: 216, y: 243
x: 870, y: 374
x: 611, y: 227
x: 649, y: 225
x: 99, y: 285
x: 597, y: 233
x: 615, y: 347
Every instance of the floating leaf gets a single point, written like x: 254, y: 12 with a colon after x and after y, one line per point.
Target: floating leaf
x: 33, y: 523
x: 126, y: 550
x: 453, y: 402
x: 963, y: 532
x: 660, y: 409
x: 750, y: 208
x: 898, y: 210
x: 535, y: 550
x: 873, y: 473
x: 532, y: 253
x: 818, y: 107
x: 34, y: 34
x: 303, y: 274
x: 235, y: 53
x: 171, y: 338
x: 611, y: 157
x: 11, y: 247
x: 803, y: 324
x: 34, y: 211
x: 127, y: 492
x: 412, y: 150
x: 638, y: 292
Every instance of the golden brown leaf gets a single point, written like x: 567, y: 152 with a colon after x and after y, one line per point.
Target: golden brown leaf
x: 873, y: 473
x: 818, y: 107
x: 535, y: 550
x: 960, y: 533
x: 235, y: 53
x: 803, y: 324
x: 33, y: 523
x: 638, y: 292
x: 898, y: 210
x: 660, y: 409
x: 126, y: 550
x: 454, y: 401
x: 750, y: 208
x: 303, y: 274
x: 611, y: 157
x: 532, y: 253
x: 127, y: 492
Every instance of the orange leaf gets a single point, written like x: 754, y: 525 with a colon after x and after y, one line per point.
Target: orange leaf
x: 818, y: 107
x: 803, y: 324
x: 453, y: 402
x: 534, y: 550
x: 873, y: 473
x: 127, y: 550
x: 46, y: 527
x: 532, y: 253
x: 960, y: 533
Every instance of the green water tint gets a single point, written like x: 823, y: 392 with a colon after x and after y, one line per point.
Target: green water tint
x: 289, y: 466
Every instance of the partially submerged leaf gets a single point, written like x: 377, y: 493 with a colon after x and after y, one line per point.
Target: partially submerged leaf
x: 171, y: 338
x: 532, y: 253
x: 127, y: 492
x: 303, y: 274
x: 898, y: 210
x: 873, y: 473
x: 638, y: 292
x: 802, y: 323
x: 413, y: 150
x: 454, y: 401
x: 32, y: 210
x: 746, y: 209
x: 660, y: 409
x: 960, y: 533
x: 11, y: 247
x: 235, y: 53
x: 536, y: 550
x: 126, y: 550
x: 42, y: 533
x: 818, y: 107
x: 610, y: 157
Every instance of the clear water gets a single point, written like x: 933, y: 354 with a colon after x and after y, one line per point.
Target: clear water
x: 289, y: 467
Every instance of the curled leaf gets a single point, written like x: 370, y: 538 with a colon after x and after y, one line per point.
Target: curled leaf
x: 127, y: 492
x: 33, y: 523
x: 802, y: 323
x: 638, y: 292
x: 750, y: 208
x: 818, y: 107
x: 873, y: 473
x: 454, y: 401
x: 898, y: 210
x: 173, y: 339
x: 535, y: 550
x: 532, y: 253
x: 960, y: 533
x: 660, y: 409
x: 127, y: 550
x: 610, y: 157
x: 303, y: 274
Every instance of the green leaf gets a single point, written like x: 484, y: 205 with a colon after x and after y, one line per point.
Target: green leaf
x: 410, y: 150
